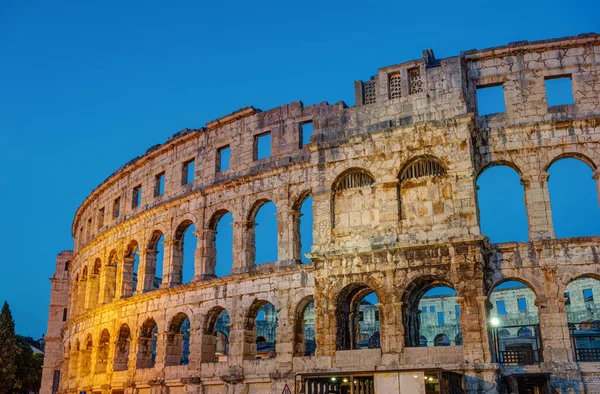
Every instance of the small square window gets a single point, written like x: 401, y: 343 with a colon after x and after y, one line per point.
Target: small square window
x: 136, y: 196
x: 457, y: 310
x: 490, y: 100
x: 424, y: 309
x: 501, y: 307
x: 306, y: 130
x: 263, y: 146
x: 187, y: 172
x: 116, y: 207
x: 559, y: 91
x: 432, y: 308
x: 588, y: 295
x: 223, y: 158
x: 440, y: 317
x: 522, y: 302
x: 159, y: 184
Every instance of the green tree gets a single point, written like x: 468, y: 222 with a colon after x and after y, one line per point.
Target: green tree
x: 8, y: 350
x: 29, y: 367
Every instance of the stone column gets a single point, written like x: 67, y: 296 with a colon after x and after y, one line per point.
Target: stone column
x: 146, y: 271
x: 127, y: 277
x: 93, y: 288
x: 554, y: 330
x: 473, y: 315
x: 108, y: 291
x: 284, y: 337
x: 172, y: 264
x: 161, y: 350
x: 205, y: 254
x: 391, y: 329
x: 539, y: 211
x: 81, y: 292
x: 240, y: 340
x: 244, y: 249
x: 288, y: 240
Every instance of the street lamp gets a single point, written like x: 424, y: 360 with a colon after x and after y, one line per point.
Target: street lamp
x: 495, y: 322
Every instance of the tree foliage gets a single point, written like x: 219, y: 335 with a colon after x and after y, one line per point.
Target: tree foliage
x: 8, y: 350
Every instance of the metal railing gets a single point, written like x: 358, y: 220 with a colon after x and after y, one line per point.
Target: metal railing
x: 517, y: 344
x: 585, y: 338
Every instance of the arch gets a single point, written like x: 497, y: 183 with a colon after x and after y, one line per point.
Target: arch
x: 264, y: 248
x: 300, y: 199
x: 422, y: 166
x: 74, y: 360
x: 122, y: 347
x: 216, y: 331
x: 304, y: 328
x: 110, y: 272
x: 422, y: 341
x: 154, y: 264
x: 261, y: 325
x: 582, y: 295
x: 573, y: 196
x: 571, y: 155
x: 184, y: 250
x: 86, y: 355
x: 219, y: 243
x: 507, y: 279
x: 147, y: 341
x: 429, y: 303
x: 357, y: 319
x: 499, y: 163
x: 178, y: 340
x: 502, y: 219
x: 102, y: 354
x: 129, y: 268
x: 353, y: 178
x: 441, y: 340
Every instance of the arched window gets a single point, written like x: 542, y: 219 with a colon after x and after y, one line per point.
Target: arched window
x: 431, y: 310
x: 215, y: 341
x: 221, y: 244
x: 501, y: 200
x: 262, y: 323
x: 152, y: 276
x: 441, y: 340
x: 86, y: 356
x: 575, y: 209
x: 129, y: 270
x: 265, y: 232
x: 122, y: 348
x: 422, y: 167
x: 147, y: 340
x: 583, y: 301
x: 304, y: 336
x: 102, y: 355
x: 357, y: 318
x: 94, y: 284
x: 111, y: 276
x: 352, y: 200
x: 178, y: 340
x: 513, y: 310
x: 184, y: 249
x: 422, y: 341
x: 74, y: 360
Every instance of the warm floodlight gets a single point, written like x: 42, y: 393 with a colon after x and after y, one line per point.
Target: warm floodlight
x: 495, y: 322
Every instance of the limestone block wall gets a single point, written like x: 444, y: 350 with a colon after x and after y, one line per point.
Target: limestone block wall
x: 394, y: 211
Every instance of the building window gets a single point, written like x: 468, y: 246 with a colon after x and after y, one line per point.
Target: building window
x: 187, y: 172
x: 262, y: 146
x: 414, y: 80
x: 67, y: 266
x: 395, y: 85
x: 424, y: 309
x: 116, y: 207
x: 88, y: 229
x: 568, y: 297
x: 65, y: 314
x: 441, y: 319
x: 522, y: 303
x: 369, y: 88
x: 136, y: 196
x: 422, y: 168
x: 559, y: 91
x: 306, y: 130
x: 457, y: 310
x: 100, y: 218
x: 588, y: 295
x: 432, y: 308
x: 490, y: 100
x: 159, y: 184
x: 501, y: 307
x: 223, y: 158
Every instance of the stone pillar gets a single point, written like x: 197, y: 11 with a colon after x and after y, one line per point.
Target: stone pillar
x: 161, y: 350
x: 539, y: 211
x: 554, y: 330
x: 81, y: 292
x: 284, y: 338
x: 93, y: 288
x: 391, y: 328
x: 205, y: 255
x: 242, y: 342
x: 473, y: 315
x: 110, y: 277
x: 288, y: 240
x: 146, y: 271
x: 173, y: 264
x: 127, y: 277
x: 244, y: 249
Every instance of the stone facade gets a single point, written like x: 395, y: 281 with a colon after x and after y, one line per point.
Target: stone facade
x: 393, y: 183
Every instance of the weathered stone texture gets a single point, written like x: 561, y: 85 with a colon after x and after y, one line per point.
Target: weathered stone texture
x: 392, y: 235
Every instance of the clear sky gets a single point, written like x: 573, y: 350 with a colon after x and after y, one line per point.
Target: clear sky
x: 87, y: 86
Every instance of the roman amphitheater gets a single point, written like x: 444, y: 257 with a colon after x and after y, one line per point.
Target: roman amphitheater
x: 392, y: 182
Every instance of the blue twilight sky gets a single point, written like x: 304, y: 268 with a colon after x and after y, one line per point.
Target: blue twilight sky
x: 86, y: 86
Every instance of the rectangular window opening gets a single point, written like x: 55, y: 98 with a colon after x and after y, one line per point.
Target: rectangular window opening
x: 64, y: 314
x: 136, y: 196
x: 101, y: 218
x: 223, y: 159
x: 501, y: 306
x: 522, y: 302
x: 457, y: 310
x: 490, y: 100
x: 159, y: 184
x: 306, y: 130
x: 116, y: 207
x: 262, y: 146
x: 395, y: 85
x: 559, y: 91
x: 588, y: 295
x: 440, y: 317
x: 415, y: 82
x: 432, y: 308
x: 187, y: 172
